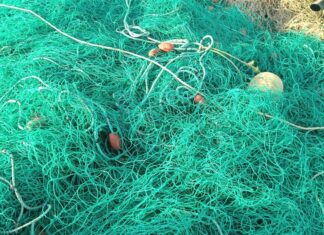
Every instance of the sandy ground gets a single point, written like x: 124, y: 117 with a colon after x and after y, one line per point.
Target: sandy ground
x: 285, y: 14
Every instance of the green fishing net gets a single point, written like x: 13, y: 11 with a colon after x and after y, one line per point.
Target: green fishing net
x: 240, y: 162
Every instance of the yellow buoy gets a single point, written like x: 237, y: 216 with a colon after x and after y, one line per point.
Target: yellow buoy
x: 267, y: 81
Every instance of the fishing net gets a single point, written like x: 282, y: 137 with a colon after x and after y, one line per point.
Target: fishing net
x: 240, y: 161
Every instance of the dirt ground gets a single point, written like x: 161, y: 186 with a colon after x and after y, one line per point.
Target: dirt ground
x: 285, y: 14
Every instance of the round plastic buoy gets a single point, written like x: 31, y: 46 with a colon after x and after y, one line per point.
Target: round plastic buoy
x: 267, y: 81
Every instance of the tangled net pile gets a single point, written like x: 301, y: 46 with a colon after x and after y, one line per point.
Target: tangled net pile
x: 242, y: 162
